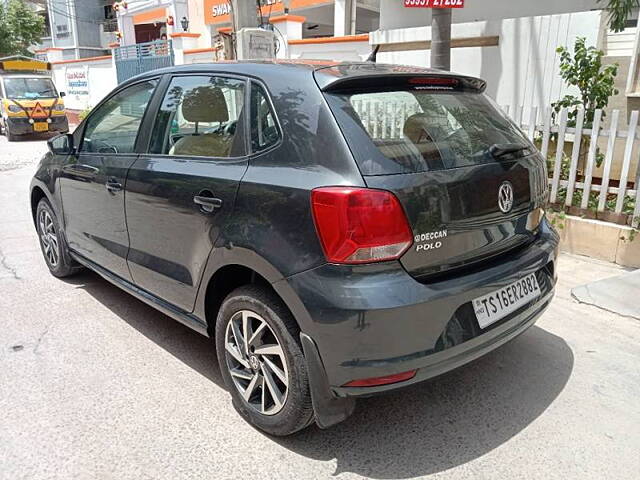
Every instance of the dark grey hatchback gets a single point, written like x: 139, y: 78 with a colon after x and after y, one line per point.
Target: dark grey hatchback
x: 339, y: 229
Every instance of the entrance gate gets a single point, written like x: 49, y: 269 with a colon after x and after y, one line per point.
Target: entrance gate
x: 132, y: 60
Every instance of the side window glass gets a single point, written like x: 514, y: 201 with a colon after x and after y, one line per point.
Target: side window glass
x: 113, y: 128
x: 264, y: 129
x: 201, y: 116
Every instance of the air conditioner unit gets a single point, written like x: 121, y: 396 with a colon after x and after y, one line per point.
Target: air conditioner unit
x: 255, y: 44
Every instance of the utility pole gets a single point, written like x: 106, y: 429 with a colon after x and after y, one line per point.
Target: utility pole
x: 344, y: 18
x: 244, y: 14
x: 441, y: 38
x: 250, y: 41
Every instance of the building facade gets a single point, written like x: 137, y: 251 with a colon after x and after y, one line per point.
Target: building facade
x: 510, y: 44
x: 78, y: 28
x: 148, y: 20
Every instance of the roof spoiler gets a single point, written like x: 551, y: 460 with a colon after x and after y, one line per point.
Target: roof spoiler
x: 411, y: 81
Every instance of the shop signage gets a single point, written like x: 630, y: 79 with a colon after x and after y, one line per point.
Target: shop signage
x: 219, y: 11
x: 434, y: 3
x: 77, y: 81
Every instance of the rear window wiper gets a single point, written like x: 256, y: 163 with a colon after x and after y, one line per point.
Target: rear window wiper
x: 498, y: 150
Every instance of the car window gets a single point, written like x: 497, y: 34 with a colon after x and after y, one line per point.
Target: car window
x: 113, y: 127
x: 201, y: 116
x: 423, y: 130
x: 30, y: 88
x: 264, y: 129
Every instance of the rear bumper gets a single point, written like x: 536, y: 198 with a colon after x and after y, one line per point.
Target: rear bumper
x: 376, y: 320
x: 454, y: 357
x: 21, y: 125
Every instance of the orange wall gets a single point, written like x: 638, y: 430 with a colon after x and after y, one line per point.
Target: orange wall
x: 157, y: 15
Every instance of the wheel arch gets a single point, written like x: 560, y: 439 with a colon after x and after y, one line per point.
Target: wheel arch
x: 228, y: 269
x: 223, y: 281
x: 37, y: 194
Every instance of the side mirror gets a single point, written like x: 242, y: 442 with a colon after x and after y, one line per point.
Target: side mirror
x: 61, y: 144
x: 63, y: 94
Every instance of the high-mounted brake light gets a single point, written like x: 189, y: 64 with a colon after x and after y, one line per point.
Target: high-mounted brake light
x: 446, y: 81
x: 360, y: 225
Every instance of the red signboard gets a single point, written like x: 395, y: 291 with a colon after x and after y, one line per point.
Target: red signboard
x: 434, y: 3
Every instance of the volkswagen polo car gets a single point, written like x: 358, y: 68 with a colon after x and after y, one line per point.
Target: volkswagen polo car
x: 339, y: 229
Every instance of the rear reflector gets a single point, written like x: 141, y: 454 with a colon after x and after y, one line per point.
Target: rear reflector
x: 377, y: 381
x: 360, y: 225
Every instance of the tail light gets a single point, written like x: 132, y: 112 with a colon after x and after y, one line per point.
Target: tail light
x: 360, y: 225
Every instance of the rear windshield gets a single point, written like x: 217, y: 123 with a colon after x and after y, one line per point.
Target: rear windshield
x: 29, y: 88
x: 408, y: 131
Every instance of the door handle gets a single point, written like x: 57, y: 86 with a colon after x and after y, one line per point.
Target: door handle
x: 207, y: 204
x: 113, y: 185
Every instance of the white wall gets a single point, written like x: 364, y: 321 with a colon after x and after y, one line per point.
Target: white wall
x: 198, y: 25
x: 101, y: 78
x: 522, y: 70
x: 346, y: 51
x: 393, y: 13
x: 200, y: 57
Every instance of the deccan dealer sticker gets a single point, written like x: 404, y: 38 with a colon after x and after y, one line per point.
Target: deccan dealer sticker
x: 429, y: 241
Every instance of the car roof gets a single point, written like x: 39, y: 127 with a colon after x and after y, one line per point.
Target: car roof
x: 326, y: 72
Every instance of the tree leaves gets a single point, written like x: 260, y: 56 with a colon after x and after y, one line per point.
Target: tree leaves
x: 20, y: 28
x: 584, y: 70
x: 619, y: 12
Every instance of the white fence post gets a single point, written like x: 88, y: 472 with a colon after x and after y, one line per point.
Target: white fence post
x: 591, y: 158
x: 626, y: 163
x: 546, y: 133
x: 608, y: 160
x: 573, y: 169
x: 562, y: 130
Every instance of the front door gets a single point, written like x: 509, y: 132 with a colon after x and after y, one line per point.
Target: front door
x: 182, y: 192
x: 92, y: 181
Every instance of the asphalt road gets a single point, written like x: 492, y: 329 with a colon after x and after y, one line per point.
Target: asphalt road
x: 95, y: 384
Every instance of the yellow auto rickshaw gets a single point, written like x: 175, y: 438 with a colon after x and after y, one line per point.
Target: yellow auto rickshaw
x: 29, y: 101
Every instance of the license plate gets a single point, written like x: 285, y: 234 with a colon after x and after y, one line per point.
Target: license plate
x: 500, y: 303
x: 40, y: 127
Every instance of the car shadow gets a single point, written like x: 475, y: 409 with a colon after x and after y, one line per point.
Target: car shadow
x: 423, y: 429
x: 449, y: 420
x: 188, y: 346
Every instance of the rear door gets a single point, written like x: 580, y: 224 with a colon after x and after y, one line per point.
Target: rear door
x: 469, y: 180
x: 92, y: 181
x: 182, y: 191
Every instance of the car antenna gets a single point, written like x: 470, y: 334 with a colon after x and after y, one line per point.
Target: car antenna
x: 372, y: 56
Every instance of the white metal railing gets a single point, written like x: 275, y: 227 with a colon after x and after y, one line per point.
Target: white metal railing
x: 587, y: 142
x: 384, y: 119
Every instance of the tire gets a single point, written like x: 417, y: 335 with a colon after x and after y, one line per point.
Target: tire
x: 258, y: 305
x: 52, y: 242
x: 10, y: 136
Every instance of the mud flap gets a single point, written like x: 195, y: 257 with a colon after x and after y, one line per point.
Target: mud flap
x: 328, y: 409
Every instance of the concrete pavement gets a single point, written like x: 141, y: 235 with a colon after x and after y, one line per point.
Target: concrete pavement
x: 95, y: 384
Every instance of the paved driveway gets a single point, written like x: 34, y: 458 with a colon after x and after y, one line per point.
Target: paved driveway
x: 95, y: 384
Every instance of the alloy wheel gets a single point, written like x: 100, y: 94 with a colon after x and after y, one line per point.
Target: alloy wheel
x: 256, y: 362
x: 49, y: 238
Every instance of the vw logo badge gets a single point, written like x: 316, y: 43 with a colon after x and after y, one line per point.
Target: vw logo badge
x: 505, y: 197
x: 254, y: 362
